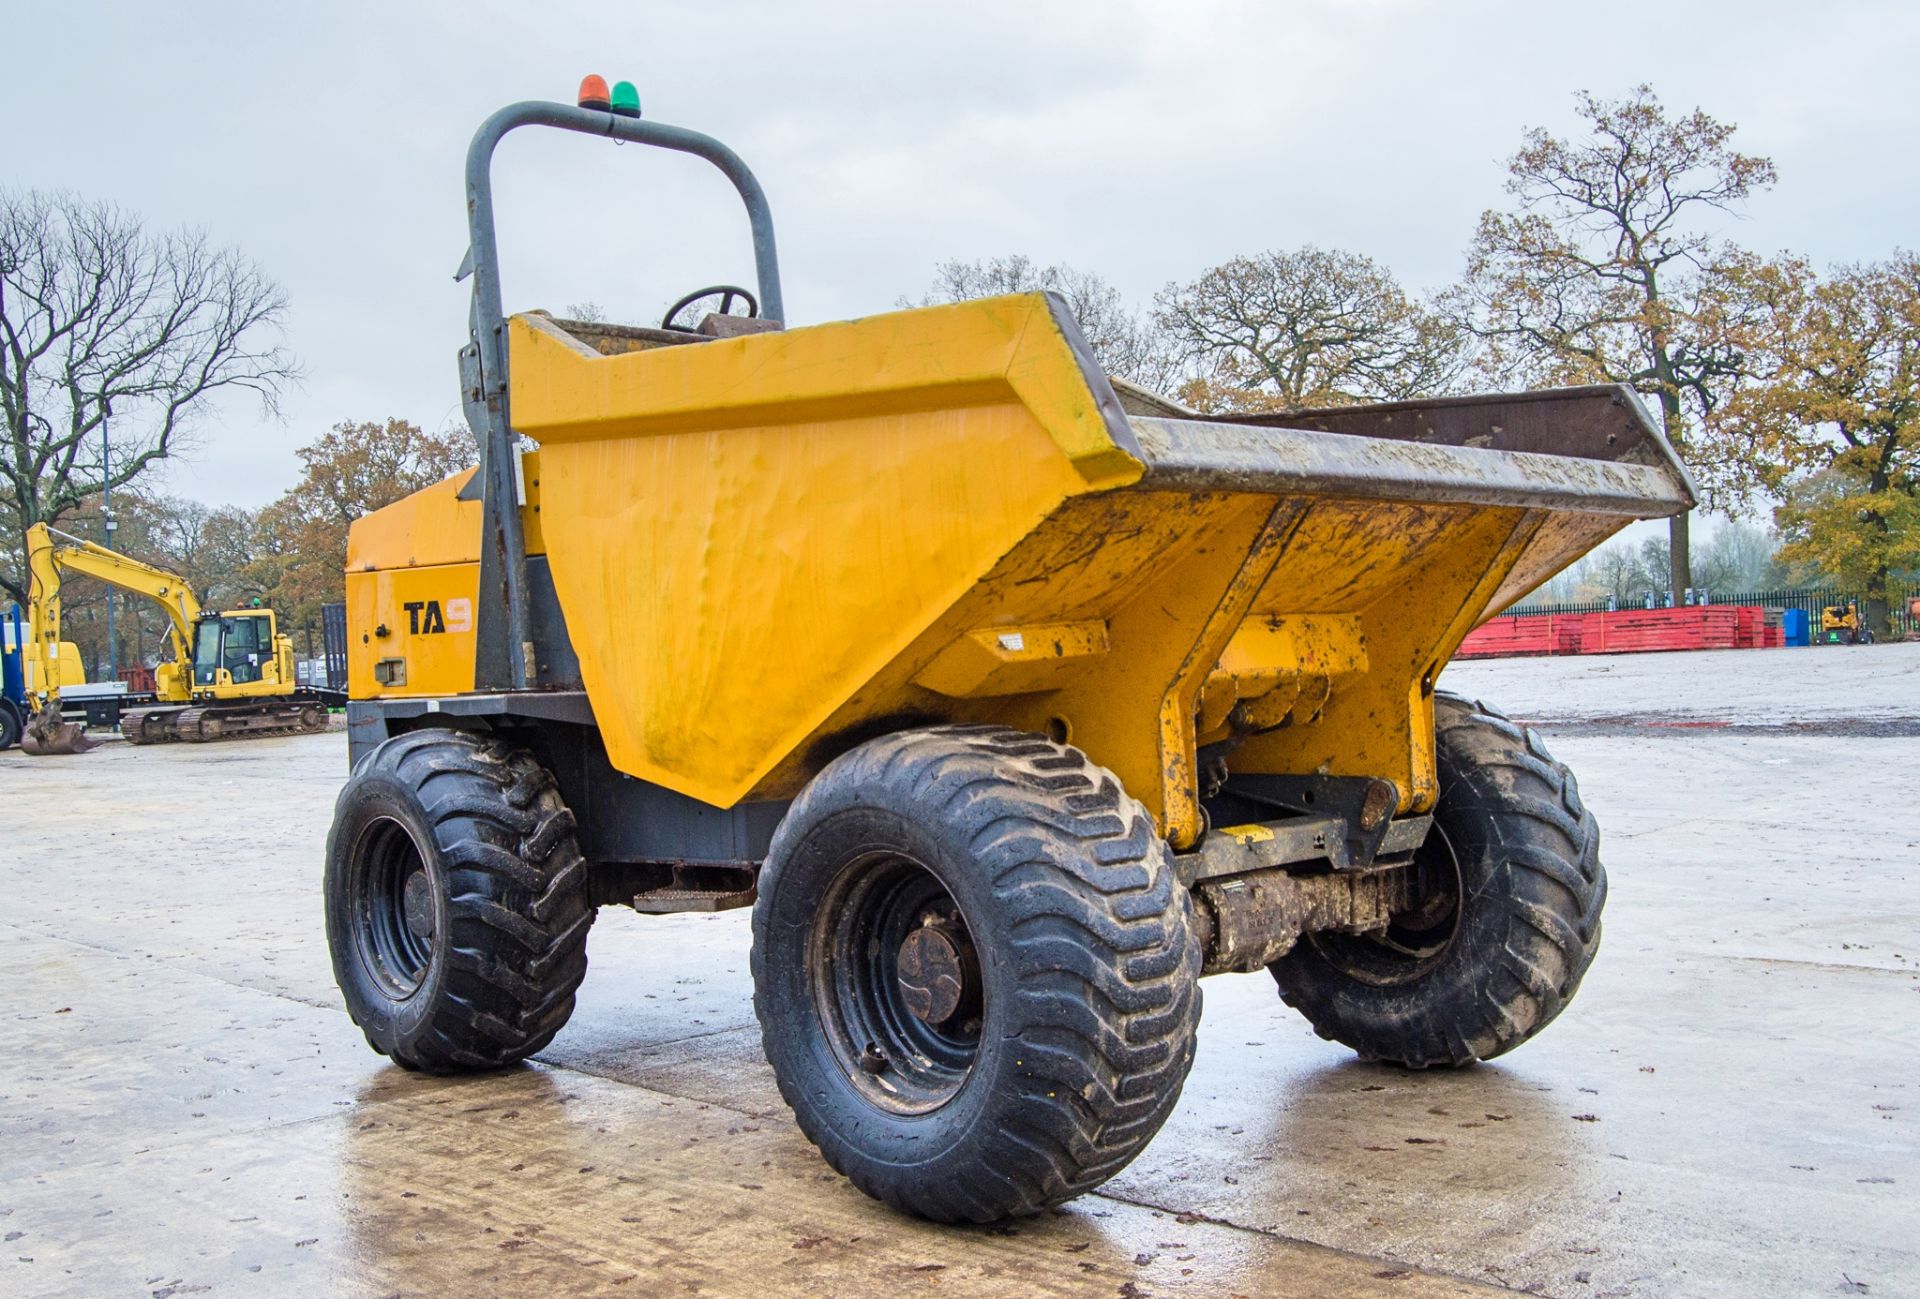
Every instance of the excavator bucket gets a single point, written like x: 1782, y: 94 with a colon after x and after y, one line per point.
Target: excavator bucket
x: 47, y: 734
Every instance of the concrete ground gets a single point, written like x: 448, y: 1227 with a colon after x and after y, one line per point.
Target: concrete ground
x: 1730, y: 1107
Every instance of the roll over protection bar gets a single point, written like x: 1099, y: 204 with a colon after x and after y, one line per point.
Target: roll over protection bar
x: 503, y: 653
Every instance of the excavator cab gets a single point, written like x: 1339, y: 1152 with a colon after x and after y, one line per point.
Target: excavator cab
x: 233, y: 649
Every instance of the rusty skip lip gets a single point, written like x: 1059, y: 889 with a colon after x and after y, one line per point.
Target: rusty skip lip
x: 1208, y: 456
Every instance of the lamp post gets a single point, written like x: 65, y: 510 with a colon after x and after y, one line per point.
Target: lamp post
x: 109, y: 525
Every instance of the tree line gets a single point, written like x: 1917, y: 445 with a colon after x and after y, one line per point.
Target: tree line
x: 1737, y: 558
x: 1783, y: 387
x: 289, y: 555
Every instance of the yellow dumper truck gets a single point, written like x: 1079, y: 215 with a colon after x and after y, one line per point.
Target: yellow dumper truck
x: 1014, y: 701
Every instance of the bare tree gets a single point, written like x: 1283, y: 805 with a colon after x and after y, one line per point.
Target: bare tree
x: 1739, y: 556
x: 1604, y: 273
x: 1313, y: 327
x: 99, y: 321
x: 1656, y: 562
x: 1614, y: 571
x: 1127, y: 346
x: 1624, y: 572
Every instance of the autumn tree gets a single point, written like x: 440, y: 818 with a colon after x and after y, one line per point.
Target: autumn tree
x: 1831, y: 426
x: 221, y: 549
x: 353, y: 470
x: 1312, y: 327
x: 101, y: 320
x: 1608, y: 271
x: 1126, y: 345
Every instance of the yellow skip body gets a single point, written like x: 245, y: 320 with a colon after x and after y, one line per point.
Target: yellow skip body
x: 763, y: 543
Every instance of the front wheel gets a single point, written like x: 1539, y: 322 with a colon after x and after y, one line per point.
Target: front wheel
x: 1504, y: 924
x: 457, y: 904
x: 974, y: 971
x: 9, y: 725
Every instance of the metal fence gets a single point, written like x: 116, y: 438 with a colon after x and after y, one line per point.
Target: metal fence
x: 1813, y: 599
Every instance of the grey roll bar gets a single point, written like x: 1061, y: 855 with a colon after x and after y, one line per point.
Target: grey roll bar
x: 503, y: 650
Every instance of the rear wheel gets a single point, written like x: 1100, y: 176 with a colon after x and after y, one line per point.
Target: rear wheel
x: 974, y: 971
x: 1505, y: 921
x: 457, y: 906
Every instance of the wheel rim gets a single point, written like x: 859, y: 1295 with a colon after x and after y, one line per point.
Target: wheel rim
x: 396, y: 915
x: 897, y: 983
x: 1416, y: 939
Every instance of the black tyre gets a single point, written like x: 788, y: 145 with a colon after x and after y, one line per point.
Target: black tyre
x: 457, y: 905
x: 974, y: 971
x: 1507, y: 920
x: 9, y: 725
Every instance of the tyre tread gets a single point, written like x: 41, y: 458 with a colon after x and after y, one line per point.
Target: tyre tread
x: 517, y: 905
x: 1101, y: 943
x: 1548, y: 847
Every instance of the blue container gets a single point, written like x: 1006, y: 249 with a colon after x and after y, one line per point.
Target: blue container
x: 1798, y: 625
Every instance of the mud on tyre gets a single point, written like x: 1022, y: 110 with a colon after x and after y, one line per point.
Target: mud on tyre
x: 457, y: 902
x: 974, y: 971
x: 1507, y: 921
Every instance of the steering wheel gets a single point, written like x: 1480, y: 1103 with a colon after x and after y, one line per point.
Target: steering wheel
x: 727, y: 292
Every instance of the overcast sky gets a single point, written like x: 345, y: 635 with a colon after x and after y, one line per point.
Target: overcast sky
x: 1143, y: 141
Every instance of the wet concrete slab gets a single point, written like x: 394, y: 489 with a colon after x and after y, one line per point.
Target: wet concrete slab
x: 243, y: 1144
x: 1728, y: 1108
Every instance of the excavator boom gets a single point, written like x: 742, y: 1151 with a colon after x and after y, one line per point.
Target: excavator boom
x: 48, y: 562
x: 47, y: 731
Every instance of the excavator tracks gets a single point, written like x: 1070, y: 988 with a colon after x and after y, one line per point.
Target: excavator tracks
x: 201, y: 723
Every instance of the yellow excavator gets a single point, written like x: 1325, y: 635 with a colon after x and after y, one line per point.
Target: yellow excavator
x: 232, y: 672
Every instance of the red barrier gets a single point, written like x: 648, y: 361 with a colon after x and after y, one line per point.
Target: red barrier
x: 1510, y: 638
x: 1627, y: 631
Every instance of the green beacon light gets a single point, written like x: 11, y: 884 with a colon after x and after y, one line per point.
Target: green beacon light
x: 626, y: 100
